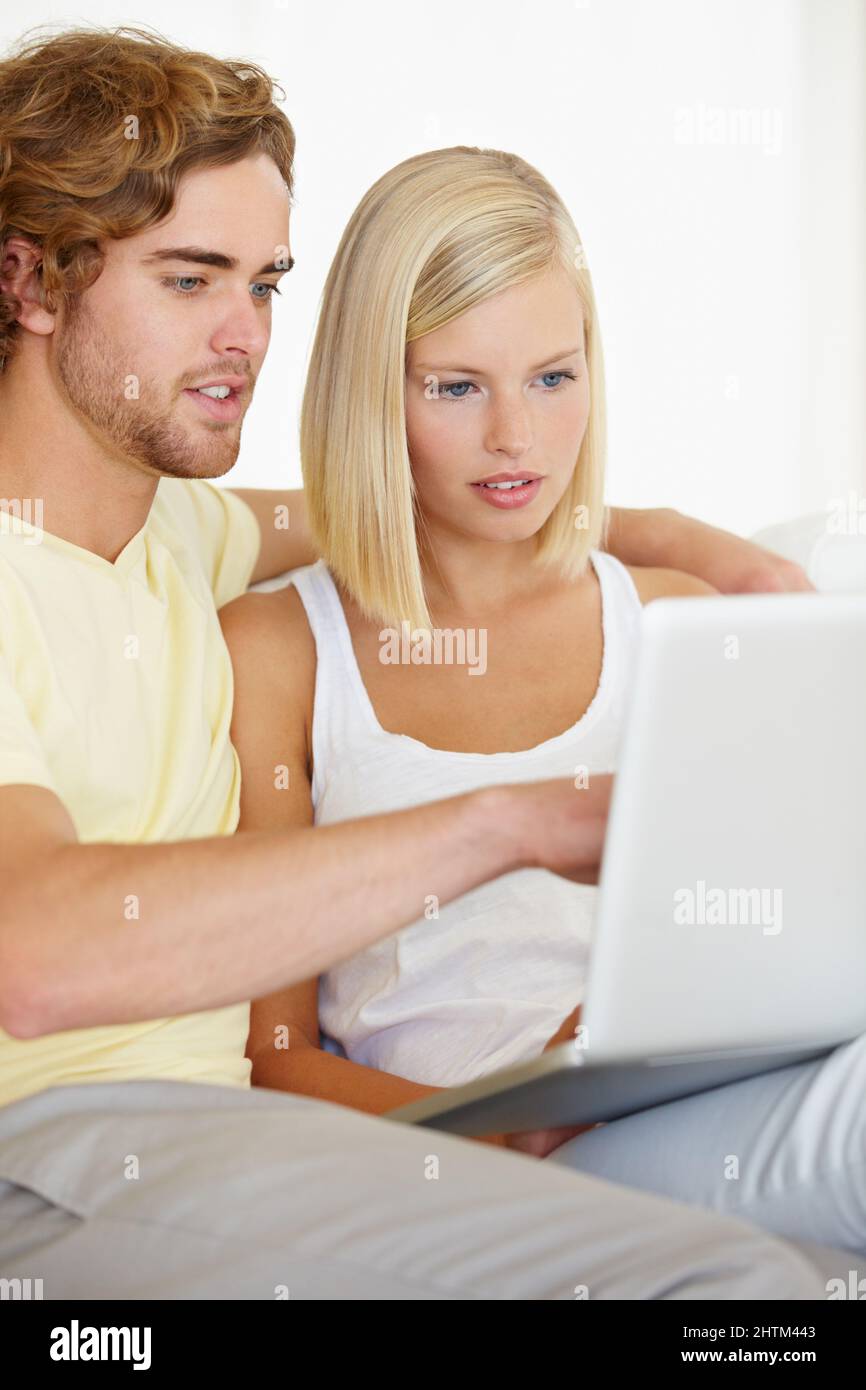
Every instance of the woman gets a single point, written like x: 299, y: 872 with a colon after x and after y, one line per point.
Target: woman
x: 462, y: 629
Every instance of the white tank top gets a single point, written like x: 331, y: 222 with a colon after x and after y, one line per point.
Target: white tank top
x: 487, y: 981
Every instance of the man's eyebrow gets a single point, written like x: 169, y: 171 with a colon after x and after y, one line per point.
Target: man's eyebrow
x: 476, y: 371
x: 197, y: 255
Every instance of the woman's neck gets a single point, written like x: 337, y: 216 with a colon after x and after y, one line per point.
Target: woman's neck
x: 473, y: 577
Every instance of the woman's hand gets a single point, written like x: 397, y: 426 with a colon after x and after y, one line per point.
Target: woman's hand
x: 540, y: 1142
x: 537, y: 1143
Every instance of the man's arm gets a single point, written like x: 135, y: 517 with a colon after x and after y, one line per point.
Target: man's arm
x: 230, y: 918
x: 656, y: 536
x: 662, y: 537
x: 282, y: 519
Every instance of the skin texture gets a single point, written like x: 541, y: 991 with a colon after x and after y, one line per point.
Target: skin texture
x: 544, y: 633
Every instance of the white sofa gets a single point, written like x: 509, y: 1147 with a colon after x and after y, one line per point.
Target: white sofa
x: 834, y: 560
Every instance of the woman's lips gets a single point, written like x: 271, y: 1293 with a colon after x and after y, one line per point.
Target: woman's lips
x: 228, y: 409
x: 506, y: 499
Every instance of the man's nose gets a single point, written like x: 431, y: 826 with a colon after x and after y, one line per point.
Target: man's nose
x: 244, y: 328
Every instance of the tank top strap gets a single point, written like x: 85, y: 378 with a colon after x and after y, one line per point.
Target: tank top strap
x: 621, y: 617
x: 340, y: 720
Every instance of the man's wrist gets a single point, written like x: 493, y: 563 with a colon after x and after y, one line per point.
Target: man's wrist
x: 500, y: 818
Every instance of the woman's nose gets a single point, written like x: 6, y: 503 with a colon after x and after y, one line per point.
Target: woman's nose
x: 510, y: 430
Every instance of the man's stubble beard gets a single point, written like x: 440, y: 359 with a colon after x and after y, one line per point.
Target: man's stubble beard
x: 95, y: 375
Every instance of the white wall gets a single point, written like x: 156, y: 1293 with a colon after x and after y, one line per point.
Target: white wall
x: 713, y: 154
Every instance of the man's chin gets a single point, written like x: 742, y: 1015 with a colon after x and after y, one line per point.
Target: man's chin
x: 199, y: 467
x: 188, y: 458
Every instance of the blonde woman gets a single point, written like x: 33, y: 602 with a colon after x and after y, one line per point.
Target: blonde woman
x: 464, y: 627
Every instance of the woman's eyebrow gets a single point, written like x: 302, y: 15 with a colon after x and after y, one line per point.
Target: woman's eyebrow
x: 196, y: 255
x: 477, y: 371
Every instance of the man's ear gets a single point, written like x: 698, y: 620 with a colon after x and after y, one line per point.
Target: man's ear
x: 21, y: 276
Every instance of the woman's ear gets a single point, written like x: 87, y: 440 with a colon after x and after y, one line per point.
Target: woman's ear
x: 21, y: 276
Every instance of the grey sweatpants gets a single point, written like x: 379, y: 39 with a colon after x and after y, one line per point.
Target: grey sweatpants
x: 172, y: 1190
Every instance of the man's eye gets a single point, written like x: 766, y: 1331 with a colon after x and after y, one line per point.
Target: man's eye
x: 173, y: 282
x: 177, y: 283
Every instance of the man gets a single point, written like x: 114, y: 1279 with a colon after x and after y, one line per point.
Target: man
x: 134, y: 926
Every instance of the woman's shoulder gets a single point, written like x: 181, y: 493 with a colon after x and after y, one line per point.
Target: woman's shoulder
x: 269, y: 639
x: 651, y: 582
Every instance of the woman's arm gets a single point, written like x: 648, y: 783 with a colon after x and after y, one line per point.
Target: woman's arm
x: 285, y: 1049
x: 274, y: 660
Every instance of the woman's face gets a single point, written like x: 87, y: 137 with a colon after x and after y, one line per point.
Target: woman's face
x: 500, y: 394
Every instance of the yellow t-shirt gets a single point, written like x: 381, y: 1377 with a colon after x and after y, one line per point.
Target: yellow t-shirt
x: 116, y: 693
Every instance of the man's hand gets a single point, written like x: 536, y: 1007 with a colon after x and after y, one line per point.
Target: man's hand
x: 663, y: 537
x: 558, y: 826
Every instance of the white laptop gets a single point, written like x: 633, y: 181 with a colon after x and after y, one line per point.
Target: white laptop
x: 730, y: 935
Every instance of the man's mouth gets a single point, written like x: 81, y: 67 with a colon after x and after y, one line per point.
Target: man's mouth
x: 218, y: 393
x: 219, y: 402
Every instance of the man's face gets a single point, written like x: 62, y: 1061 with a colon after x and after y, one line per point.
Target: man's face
x: 151, y: 328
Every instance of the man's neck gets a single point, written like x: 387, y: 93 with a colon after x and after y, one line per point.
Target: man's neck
x: 48, y: 456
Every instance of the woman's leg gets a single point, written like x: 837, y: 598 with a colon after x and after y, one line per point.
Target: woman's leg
x: 785, y: 1150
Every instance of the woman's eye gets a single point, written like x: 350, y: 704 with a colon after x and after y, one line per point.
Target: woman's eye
x: 459, y: 390
x: 454, y: 386
x: 563, y: 376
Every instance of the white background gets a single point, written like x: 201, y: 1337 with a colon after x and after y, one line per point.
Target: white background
x: 730, y: 276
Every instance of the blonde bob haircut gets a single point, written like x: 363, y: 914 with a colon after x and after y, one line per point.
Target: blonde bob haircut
x: 432, y: 238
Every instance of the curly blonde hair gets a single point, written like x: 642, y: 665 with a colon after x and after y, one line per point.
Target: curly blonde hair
x: 97, y: 126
